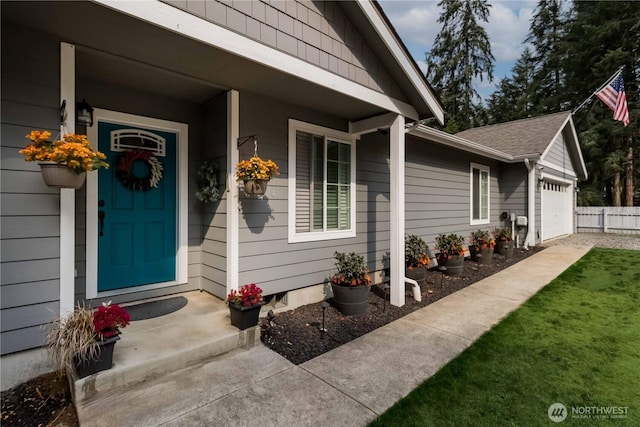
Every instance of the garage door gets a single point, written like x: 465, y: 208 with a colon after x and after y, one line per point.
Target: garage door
x: 557, y: 210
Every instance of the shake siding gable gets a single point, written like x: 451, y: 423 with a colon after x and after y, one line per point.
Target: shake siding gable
x: 317, y: 32
x: 558, y: 154
x: 30, y: 229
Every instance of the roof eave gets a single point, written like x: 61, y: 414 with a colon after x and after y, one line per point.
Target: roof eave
x: 379, y: 21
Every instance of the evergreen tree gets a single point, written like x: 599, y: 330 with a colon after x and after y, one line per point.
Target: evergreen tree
x: 546, y: 32
x: 513, y: 99
x: 460, y: 53
x: 602, y: 36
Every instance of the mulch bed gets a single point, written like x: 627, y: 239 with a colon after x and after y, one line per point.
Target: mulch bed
x: 42, y: 401
x: 297, y: 334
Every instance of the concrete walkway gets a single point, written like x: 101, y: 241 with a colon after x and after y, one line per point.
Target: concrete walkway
x: 348, y: 386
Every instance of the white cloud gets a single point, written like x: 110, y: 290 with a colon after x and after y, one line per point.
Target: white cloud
x: 417, y: 24
x: 507, y: 28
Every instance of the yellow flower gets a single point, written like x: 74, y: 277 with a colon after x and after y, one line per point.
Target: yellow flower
x: 73, y: 150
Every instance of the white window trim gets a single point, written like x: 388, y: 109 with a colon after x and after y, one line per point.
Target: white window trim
x: 481, y: 168
x: 295, y: 237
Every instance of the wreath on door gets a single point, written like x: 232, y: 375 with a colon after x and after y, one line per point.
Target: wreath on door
x: 124, y: 170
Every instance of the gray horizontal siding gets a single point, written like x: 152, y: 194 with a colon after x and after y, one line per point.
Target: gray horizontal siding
x: 29, y: 233
x: 214, y: 215
x: 437, y: 191
x: 266, y: 256
x: 314, y: 31
x: 513, y: 190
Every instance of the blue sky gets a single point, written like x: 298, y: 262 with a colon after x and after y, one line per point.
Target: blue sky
x: 416, y: 22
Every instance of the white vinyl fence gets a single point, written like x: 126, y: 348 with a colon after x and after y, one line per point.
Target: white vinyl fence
x: 607, y: 219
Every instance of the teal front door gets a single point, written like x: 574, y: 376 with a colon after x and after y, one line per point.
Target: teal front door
x: 137, y: 232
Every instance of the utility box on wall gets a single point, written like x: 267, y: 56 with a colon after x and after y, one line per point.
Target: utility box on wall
x: 521, y: 221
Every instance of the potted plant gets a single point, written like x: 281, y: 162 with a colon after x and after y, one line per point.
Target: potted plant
x: 351, y: 284
x: 244, y: 306
x: 481, y: 247
x: 416, y: 255
x: 256, y: 173
x: 64, y: 162
x: 504, y: 241
x: 451, y: 256
x: 85, y: 338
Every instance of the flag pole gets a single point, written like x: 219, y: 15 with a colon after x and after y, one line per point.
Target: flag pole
x: 599, y: 89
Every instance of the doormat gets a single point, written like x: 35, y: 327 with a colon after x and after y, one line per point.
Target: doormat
x: 150, y: 310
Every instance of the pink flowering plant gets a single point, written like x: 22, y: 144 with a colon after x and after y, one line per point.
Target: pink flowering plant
x: 108, y: 319
x: 248, y: 295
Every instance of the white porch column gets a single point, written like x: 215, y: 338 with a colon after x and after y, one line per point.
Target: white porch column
x: 397, y: 159
x: 233, y: 215
x: 67, y: 195
x: 531, y: 202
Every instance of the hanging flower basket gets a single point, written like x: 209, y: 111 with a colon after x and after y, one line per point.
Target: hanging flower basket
x: 256, y: 173
x: 61, y: 176
x: 63, y: 162
x: 255, y: 187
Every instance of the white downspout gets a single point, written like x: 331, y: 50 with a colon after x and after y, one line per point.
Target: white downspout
x: 530, y: 240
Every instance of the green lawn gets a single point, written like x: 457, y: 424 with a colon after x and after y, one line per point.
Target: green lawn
x: 577, y: 342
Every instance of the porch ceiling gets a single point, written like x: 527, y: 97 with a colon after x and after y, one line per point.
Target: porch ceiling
x: 117, y: 48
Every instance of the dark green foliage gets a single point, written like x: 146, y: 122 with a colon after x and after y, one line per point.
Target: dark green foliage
x: 415, y: 251
x: 460, y: 53
x: 352, y: 270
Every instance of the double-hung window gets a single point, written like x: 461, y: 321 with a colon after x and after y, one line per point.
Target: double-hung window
x: 321, y: 183
x: 479, y: 194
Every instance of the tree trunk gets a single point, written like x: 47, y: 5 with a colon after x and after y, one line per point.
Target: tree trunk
x: 616, y: 190
x: 629, y: 175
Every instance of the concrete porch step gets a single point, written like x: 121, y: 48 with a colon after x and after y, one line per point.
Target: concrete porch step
x: 152, y: 348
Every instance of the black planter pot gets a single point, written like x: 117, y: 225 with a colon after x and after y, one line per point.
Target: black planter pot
x: 454, y: 264
x: 244, y: 317
x: 350, y: 300
x: 419, y: 274
x: 505, y: 248
x: 102, y: 363
x: 481, y: 255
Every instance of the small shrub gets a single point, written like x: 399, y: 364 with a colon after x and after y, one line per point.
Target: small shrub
x: 416, y: 252
x: 450, y: 244
x: 352, y: 270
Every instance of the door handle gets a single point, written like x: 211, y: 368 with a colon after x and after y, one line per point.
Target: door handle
x: 101, y: 215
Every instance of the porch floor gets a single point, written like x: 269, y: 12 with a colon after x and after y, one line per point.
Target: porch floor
x: 150, y: 348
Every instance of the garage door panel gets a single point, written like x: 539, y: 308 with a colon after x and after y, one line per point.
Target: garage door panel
x: 557, y: 209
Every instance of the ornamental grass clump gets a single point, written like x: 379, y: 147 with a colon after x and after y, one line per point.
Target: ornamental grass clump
x: 74, y: 151
x: 248, y: 295
x: 416, y: 252
x: 352, y: 270
x: 75, y: 338
x: 256, y: 169
x: 450, y: 245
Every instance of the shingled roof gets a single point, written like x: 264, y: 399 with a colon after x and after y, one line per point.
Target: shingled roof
x: 519, y: 137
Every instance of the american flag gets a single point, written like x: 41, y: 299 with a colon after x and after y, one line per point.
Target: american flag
x: 613, y: 95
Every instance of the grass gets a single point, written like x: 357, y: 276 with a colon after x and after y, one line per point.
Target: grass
x: 576, y: 342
